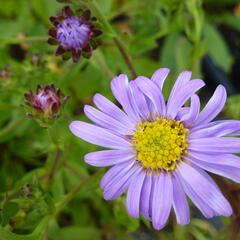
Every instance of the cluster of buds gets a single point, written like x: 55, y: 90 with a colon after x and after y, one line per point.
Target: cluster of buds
x: 74, y: 35
x: 46, y: 103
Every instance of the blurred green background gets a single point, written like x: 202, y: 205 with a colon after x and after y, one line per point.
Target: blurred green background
x: 38, y: 167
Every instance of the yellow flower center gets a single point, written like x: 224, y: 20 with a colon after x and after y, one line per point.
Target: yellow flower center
x: 160, y: 144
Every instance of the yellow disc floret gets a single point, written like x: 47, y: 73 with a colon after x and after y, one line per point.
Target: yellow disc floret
x: 160, y: 144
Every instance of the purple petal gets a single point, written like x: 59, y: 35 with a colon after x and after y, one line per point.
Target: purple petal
x: 109, y: 157
x: 182, y: 112
x: 159, y: 76
x: 119, y: 185
x: 139, y: 101
x: 213, y: 107
x: 175, y: 104
x: 219, y: 129
x: 203, y: 191
x: 120, y: 89
x: 162, y: 200
x: 146, y: 196
x: 196, y: 199
x: 112, y: 110
x: 215, y: 145
x: 182, y: 80
x: 226, y: 165
x: 115, y: 172
x: 222, y: 159
x: 134, y: 194
x: 193, y: 112
x: 105, y: 121
x: 98, y: 136
x: 180, y: 203
x: 153, y: 93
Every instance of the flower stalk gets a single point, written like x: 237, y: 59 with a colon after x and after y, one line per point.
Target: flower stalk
x: 93, y: 5
x: 70, y: 196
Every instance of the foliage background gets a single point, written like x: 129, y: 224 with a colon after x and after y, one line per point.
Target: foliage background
x: 46, y: 189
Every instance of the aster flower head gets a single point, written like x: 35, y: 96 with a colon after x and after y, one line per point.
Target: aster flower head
x: 160, y: 151
x: 74, y: 34
x: 46, y: 103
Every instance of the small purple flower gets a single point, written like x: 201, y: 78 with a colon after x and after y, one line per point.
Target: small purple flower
x: 159, y: 150
x: 73, y: 34
x: 46, y: 102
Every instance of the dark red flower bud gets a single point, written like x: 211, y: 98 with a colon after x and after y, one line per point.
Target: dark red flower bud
x: 74, y: 34
x: 46, y: 103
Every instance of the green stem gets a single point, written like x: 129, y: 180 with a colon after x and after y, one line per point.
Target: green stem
x: 56, y: 161
x: 73, y: 170
x: 93, y: 5
x: 125, y: 56
x: 102, y: 64
x: 42, y: 225
x: 70, y: 196
x: 55, y: 165
x: 12, y: 125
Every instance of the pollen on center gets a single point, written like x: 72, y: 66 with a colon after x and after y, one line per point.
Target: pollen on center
x: 160, y: 144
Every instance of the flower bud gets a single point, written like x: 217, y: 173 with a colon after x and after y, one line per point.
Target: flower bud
x: 46, y: 103
x: 73, y: 34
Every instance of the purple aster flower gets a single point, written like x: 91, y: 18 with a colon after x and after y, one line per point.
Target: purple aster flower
x: 46, y: 102
x: 160, y: 151
x: 73, y: 34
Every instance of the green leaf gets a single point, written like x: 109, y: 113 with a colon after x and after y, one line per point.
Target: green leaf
x: 204, y: 226
x: 232, y: 20
x: 9, y: 210
x: 145, y: 66
x: 74, y: 233
x: 36, y: 235
x: 217, y: 47
x: 10, y: 130
x: 6, y: 235
x: 44, y: 6
x: 123, y: 218
x: 53, y: 230
x: 198, y: 234
x: 175, y: 54
x: 232, y: 107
